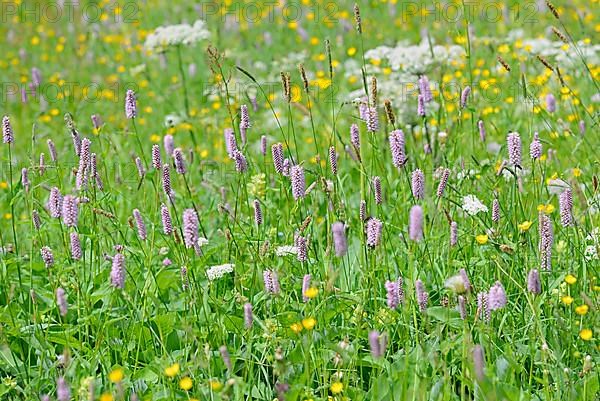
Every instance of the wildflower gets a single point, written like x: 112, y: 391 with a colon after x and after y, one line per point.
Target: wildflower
x: 63, y: 392
x: 185, y: 383
x: 140, y: 167
x: 443, y: 182
x: 421, y: 295
x: 355, y: 137
x: 481, y: 239
x: 395, y: 293
x: 550, y: 103
x: 425, y: 88
x: 453, y: 233
x: 420, y: 106
x: 514, y: 148
x: 241, y: 164
x: 333, y: 160
x: 166, y: 219
x: 524, y: 226
x: 7, y: 131
x: 415, y: 230
x: 139, y: 222
x: 497, y: 297
x: 378, y: 343
x: 479, y: 362
x: 190, y: 228
x: 277, y: 153
x: 116, y: 375
x: 179, y: 161
x: 570, y: 279
x: 482, y: 132
x: 296, y: 327
x: 248, y: 318
x: 271, y: 281
x: 377, y: 190
x: 305, y: 286
x: 311, y: 292
x: 535, y: 149
x: 117, y: 273
x: 298, y: 182
x: 70, y: 211
x: 309, y: 323
x: 130, y: 104
x: 263, y: 145
x: 372, y: 118
x: 36, y: 219
x: 456, y: 284
x: 567, y: 300
x: 336, y: 387
x: 396, y: 141
x: 534, y: 285
x: 164, y: 37
x: 462, y: 307
x: 418, y: 184
x: 47, y: 256
x: 464, y: 96
x: 168, y: 144
x: 582, y: 309
x: 340, y: 243
x: 472, y: 205
x: 173, y: 370
x: 586, y: 334
x: 483, y: 306
x: 302, y: 249
x: 215, y: 385
x: 216, y: 272
x: 225, y: 356
x: 565, y: 203
x: 61, y: 301
x: 374, y: 227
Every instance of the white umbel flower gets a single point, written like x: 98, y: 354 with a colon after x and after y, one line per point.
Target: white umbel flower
x: 472, y: 205
x: 174, y: 35
x: 216, y: 272
x: 286, y: 250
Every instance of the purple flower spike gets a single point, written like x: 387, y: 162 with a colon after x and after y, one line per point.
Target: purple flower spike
x: 156, y: 158
x: 7, y: 131
x: 565, y: 204
x: 497, y: 297
x: 70, y: 211
x: 75, y: 246
x: 277, y: 153
x: 248, y: 318
x: 130, y: 104
x: 534, y: 284
x: 514, y: 148
x: 464, y: 97
x: 117, y: 273
x: 139, y: 222
x: 394, y: 293
x: 190, y: 228
x: 415, y: 228
x: 377, y: 190
x: 340, y: 243
x: 298, y: 182
x: 397, y: 150
x: 61, y: 301
x: 374, y: 228
x: 535, y: 149
x: 418, y: 184
x: 179, y: 161
x: 166, y: 219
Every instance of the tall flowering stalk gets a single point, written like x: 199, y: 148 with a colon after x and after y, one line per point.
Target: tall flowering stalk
x: 396, y: 140
x: 117, y: 272
x: 418, y: 184
x: 421, y: 295
x: 513, y: 141
x: 394, y: 293
x: 340, y: 243
x: 373, y: 228
x: 565, y: 203
x: 298, y: 182
x: 415, y: 228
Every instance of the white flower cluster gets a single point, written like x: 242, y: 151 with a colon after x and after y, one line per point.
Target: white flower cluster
x: 174, y: 35
x: 286, y: 250
x: 216, y: 272
x: 416, y: 58
x: 472, y: 205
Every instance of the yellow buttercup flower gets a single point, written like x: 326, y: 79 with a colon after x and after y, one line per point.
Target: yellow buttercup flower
x: 337, y: 388
x: 215, y: 385
x: 185, y: 383
x: 524, y: 226
x: 116, y: 375
x: 576, y: 172
x: 172, y: 370
x: 106, y: 397
x: 311, y: 292
x: 481, y: 239
x: 586, y: 334
x: 582, y: 309
x: 570, y: 279
x: 296, y: 327
x: 567, y: 300
x: 309, y: 323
